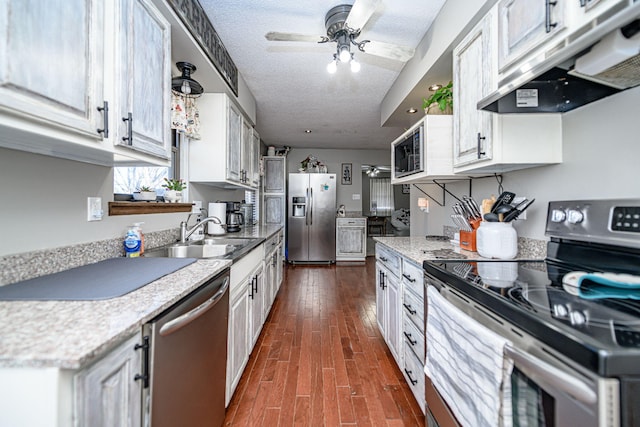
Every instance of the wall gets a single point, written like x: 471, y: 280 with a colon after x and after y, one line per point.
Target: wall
x: 334, y: 159
x: 600, y: 151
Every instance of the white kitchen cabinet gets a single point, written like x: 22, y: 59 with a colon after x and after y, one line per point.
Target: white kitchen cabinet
x: 485, y: 142
x: 274, y: 208
x: 255, y: 159
x: 250, y: 156
x: 525, y: 26
x: 257, y: 302
x: 107, y: 393
x: 143, y: 73
x: 217, y: 158
x: 351, y: 239
x: 388, y: 300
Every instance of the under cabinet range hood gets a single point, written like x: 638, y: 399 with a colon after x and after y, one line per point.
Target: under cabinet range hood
x: 594, y: 64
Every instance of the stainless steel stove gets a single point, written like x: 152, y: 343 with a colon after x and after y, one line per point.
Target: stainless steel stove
x: 577, y: 311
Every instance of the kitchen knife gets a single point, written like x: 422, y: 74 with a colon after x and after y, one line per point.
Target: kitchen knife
x: 517, y: 211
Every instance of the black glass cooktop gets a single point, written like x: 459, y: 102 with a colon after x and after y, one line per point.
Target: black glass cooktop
x: 599, y: 330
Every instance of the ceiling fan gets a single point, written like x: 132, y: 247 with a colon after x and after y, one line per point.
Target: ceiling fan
x: 344, y: 24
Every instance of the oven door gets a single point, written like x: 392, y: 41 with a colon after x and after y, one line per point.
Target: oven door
x: 546, y: 390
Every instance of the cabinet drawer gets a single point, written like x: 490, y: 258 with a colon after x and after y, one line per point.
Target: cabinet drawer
x: 414, y: 338
x: 413, y: 278
x: 390, y: 259
x: 413, y: 309
x: 414, y: 374
x: 351, y: 222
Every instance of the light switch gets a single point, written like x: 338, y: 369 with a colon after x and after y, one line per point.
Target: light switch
x: 94, y: 209
x: 355, y: 197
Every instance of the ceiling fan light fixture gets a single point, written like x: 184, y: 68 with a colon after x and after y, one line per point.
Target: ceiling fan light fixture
x: 344, y: 53
x: 355, y: 65
x: 332, y: 67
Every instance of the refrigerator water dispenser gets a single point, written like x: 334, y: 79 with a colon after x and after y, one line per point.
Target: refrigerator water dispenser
x: 298, y: 206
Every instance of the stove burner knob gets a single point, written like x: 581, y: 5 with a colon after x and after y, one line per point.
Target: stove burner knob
x: 560, y: 310
x: 575, y: 216
x: 577, y: 318
x: 558, y: 215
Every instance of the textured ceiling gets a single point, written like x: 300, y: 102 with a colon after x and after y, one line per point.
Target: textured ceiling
x: 289, y: 81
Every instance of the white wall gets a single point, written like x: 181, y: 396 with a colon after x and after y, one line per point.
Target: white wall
x: 333, y: 159
x: 601, y: 159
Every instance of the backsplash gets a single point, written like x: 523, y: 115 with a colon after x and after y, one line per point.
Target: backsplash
x: 24, y: 266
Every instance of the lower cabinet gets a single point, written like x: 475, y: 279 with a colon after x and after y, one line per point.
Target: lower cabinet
x: 107, y: 392
x: 400, y: 313
x: 351, y: 239
x: 257, y: 301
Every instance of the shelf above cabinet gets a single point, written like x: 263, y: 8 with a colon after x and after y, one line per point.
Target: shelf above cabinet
x: 133, y: 208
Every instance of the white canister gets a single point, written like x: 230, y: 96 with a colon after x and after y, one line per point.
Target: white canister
x: 271, y: 151
x: 497, y: 240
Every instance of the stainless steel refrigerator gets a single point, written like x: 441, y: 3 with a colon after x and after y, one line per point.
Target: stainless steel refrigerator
x: 311, y: 218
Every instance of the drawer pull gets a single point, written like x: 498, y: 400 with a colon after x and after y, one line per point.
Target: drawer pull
x: 412, y: 342
x: 413, y: 382
x: 409, y: 278
x: 384, y: 259
x: 409, y: 309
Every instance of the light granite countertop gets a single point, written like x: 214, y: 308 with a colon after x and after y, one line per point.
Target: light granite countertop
x: 72, y: 334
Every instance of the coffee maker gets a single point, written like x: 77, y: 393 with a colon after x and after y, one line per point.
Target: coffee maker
x: 234, y: 217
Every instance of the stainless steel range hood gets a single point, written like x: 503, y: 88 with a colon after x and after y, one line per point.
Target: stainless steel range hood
x: 602, y: 61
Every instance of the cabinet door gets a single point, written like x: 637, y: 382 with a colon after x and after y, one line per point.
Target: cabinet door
x: 274, y: 175
x: 274, y: 209
x: 523, y: 25
x: 237, y: 341
x: 246, y: 159
x: 107, y: 393
x: 144, y: 73
x: 51, y: 62
x: 381, y: 304
x: 234, y: 143
x: 394, y: 316
x: 255, y: 159
x: 350, y: 241
x: 473, y: 71
x: 257, y: 309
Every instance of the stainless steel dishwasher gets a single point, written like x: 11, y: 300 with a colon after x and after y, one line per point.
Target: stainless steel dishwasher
x: 186, y: 359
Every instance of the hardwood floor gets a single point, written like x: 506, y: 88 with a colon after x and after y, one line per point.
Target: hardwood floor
x: 320, y: 359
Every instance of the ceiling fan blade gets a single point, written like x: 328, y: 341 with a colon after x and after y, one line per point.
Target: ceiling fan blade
x: 293, y: 37
x: 389, y: 50
x: 360, y: 13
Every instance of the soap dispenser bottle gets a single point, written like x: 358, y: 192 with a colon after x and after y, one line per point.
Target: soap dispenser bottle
x: 132, y: 242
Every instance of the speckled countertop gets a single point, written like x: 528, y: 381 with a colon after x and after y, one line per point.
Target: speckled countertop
x: 72, y: 334
x: 420, y: 249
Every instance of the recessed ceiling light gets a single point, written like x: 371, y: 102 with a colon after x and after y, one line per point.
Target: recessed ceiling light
x: 412, y: 111
x: 308, y: 131
x: 434, y: 87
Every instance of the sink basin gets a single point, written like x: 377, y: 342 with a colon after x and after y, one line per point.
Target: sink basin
x: 211, y: 247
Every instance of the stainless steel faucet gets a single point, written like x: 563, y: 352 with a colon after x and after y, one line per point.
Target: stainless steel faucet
x: 186, y: 232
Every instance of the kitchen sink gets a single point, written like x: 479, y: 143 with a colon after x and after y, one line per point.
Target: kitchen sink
x: 211, y: 247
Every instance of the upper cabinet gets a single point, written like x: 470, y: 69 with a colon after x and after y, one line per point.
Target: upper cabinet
x: 224, y: 154
x: 484, y: 142
x: 62, y: 85
x: 143, y: 69
x: 525, y: 25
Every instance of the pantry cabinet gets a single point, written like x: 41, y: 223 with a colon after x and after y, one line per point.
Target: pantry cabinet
x: 107, y: 393
x: 485, y: 142
x: 224, y: 154
x: 143, y: 71
x: 351, y: 239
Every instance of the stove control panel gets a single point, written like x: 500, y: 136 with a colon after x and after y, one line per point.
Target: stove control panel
x: 626, y: 218
x: 609, y: 221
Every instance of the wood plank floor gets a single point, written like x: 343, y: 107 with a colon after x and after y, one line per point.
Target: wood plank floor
x: 320, y: 359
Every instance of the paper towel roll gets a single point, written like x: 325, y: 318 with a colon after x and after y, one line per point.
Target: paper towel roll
x: 219, y: 210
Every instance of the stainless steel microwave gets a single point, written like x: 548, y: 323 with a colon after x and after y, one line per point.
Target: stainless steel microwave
x: 407, y: 152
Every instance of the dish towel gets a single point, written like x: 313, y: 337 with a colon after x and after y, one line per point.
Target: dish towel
x: 466, y: 364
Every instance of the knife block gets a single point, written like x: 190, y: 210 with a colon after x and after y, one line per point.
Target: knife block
x: 468, y: 240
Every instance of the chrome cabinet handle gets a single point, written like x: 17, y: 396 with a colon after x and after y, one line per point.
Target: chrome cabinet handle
x: 105, y: 113
x: 554, y: 376
x: 413, y: 382
x: 412, y: 342
x: 183, y: 320
x: 548, y: 24
x: 129, y: 138
x: 480, y: 139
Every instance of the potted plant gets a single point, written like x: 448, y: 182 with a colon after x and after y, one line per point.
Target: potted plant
x: 441, y: 100
x: 173, y: 192
x: 144, y: 193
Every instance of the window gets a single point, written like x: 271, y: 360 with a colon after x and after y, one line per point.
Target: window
x: 126, y: 180
x: 381, y: 196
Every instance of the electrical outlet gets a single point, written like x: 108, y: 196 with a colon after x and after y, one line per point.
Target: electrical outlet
x: 355, y: 196
x: 94, y: 209
x: 515, y: 202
